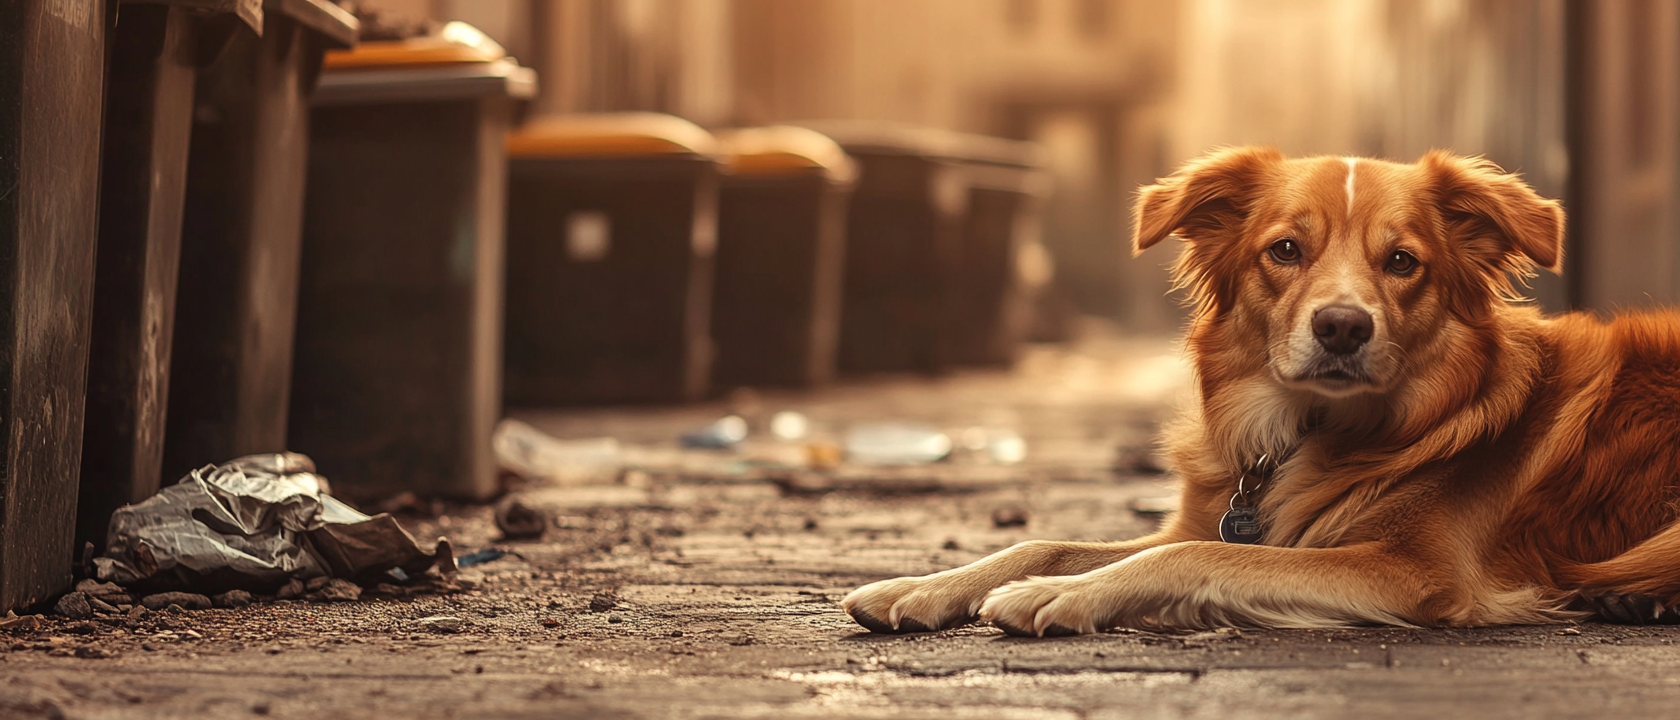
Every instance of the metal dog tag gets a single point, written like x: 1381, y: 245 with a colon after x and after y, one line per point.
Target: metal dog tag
x: 1240, y: 525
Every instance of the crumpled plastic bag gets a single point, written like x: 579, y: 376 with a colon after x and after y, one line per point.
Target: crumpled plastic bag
x: 254, y: 523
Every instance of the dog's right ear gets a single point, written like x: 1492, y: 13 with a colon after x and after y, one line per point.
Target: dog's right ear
x: 1206, y: 195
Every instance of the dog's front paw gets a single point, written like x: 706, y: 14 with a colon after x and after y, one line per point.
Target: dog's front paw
x: 1044, y: 607
x: 912, y: 604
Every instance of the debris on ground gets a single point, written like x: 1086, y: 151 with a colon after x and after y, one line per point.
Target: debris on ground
x: 232, y: 599
x: 188, y: 601
x: 721, y: 434
x: 14, y: 622
x: 74, y: 606
x: 519, y: 521
x: 896, y: 443
x: 1009, y: 516
x: 336, y: 590
x: 996, y: 445
x: 789, y: 426
x: 255, y: 522
x: 535, y: 456
x: 479, y: 558
x: 441, y: 623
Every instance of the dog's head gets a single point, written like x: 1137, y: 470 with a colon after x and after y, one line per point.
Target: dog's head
x: 1348, y: 269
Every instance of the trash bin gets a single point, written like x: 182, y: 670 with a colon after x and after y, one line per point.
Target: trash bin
x: 992, y: 310
x: 781, y: 250
x: 612, y: 227
x: 903, y: 235
x: 933, y: 242
x: 52, y: 71
x: 154, y: 52
x: 396, y: 380
x: 236, y: 300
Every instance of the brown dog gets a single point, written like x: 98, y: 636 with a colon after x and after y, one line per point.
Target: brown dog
x: 1384, y: 433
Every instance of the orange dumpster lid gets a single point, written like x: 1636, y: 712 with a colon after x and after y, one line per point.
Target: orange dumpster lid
x: 456, y: 42
x: 784, y: 150
x: 610, y: 135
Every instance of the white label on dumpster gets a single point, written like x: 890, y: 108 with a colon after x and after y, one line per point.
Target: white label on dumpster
x: 588, y: 236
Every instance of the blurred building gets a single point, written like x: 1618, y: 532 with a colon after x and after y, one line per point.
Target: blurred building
x: 1121, y: 91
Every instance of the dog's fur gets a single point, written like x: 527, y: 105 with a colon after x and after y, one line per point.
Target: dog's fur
x: 1473, y: 463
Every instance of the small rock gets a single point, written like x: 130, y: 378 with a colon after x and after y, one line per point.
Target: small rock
x: 21, y: 623
x: 519, y: 521
x: 603, y: 602
x: 138, y: 611
x: 89, y: 652
x: 261, y: 708
x: 186, y: 601
x: 148, y: 647
x: 316, y: 583
x: 468, y: 579
x: 550, y: 622
x: 293, y: 589
x: 442, y: 623
x: 614, y: 619
x: 951, y: 544
x: 676, y: 633
x: 337, y: 590
x: 175, y: 609
x: 109, y: 592
x: 1011, y: 516
x: 232, y: 599
x: 74, y: 605
x: 1569, y: 631
x: 102, y: 607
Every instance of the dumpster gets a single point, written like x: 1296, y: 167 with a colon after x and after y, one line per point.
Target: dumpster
x: 781, y: 250
x: 903, y: 238
x: 236, y: 301
x: 52, y: 70
x: 936, y: 230
x: 154, y: 52
x: 612, y: 227
x: 396, y: 379
x: 992, y: 306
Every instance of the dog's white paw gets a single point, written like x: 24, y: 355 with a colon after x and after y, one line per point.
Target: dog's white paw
x: 912, y: 604
x: 1044, y: 607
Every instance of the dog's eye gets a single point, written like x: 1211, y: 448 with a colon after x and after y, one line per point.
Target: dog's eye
x: 1286, y: 252
x: 1402, y: 263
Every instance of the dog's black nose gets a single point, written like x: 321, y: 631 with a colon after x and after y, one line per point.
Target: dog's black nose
x: 1341, y: 329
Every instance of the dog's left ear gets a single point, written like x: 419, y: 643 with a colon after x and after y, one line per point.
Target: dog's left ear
x: 1498, y: 207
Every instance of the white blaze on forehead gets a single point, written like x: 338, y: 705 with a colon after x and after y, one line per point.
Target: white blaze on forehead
x: 1350, y: 163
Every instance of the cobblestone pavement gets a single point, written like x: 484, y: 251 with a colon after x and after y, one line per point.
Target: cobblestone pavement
x: 706, y: 586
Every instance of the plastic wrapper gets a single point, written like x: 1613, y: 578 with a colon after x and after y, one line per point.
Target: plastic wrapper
x: 254, y: 523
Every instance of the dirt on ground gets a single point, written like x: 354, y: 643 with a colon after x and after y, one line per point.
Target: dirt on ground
x: 705, y: 584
